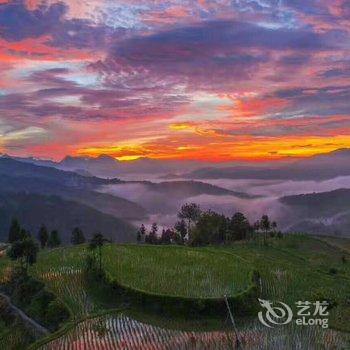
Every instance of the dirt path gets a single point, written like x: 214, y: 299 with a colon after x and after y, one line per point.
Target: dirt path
x: 38, y: 328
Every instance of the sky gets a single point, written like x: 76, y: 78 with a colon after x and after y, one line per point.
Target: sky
x: 210, y: 80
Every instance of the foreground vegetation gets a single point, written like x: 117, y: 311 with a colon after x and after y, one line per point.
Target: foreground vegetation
x: 292, y: 268
x: 177, y: 271
x: 117, y: 331
x: 197, y: 228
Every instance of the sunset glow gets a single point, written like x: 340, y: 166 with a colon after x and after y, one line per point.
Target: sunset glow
x: 175, y: 79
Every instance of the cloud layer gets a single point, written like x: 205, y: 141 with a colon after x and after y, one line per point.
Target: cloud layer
x: 214, y: 80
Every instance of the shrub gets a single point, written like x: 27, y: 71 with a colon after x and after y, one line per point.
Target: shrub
x: 56, y: 314
x: 25, y: 288
x: 40, y: 304
x: 333, y: 271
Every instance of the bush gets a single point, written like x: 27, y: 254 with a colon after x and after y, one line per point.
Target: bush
x: 24, y: 290
x: 56, y: 314
x: 333, y: 271
x: 6, y: 314
x: 40, y: 303
x: 91, y: 269
x: 31, y: 295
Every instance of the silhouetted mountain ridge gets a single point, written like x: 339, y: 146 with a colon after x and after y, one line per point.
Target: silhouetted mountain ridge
x: 33, y: 210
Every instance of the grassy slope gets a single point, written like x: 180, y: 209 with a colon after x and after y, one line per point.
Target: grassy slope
x: 177, y: 271
x: 298, y: 268
x: 157, y: 269
x: 294, y: 268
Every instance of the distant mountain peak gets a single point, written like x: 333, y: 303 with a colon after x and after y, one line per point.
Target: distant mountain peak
x: 341, y: 151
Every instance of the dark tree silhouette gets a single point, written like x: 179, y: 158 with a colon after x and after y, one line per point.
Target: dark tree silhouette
x: 210, y: 228
x: 54, y: 239
x: 97, y: 242
x: 152, y: 237
x: 180, y: 227
x: 43, y: 236
x: 265, y: 225
x: 190, y: 212
x: 14, y: 232
x: 166, y: 236
x: 77, y: 236
x: 239, y: 227
x: 140, y: 236
x: 25, y: 251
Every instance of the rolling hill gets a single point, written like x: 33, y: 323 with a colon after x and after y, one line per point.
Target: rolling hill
x: 325, y: 212
x: 17, y: 176
x: 319, y: 167
x: 32, y: 210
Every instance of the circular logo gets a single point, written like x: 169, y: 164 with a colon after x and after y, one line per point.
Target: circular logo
x: 274, y: 315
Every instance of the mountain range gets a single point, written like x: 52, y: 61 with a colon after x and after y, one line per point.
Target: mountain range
x: 319, y: 167
x: 325, y: 212
x: 24, y: 185
x: 119, y: 204
x: 33, y: 210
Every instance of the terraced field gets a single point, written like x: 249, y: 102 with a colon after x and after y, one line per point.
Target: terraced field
x: 119, y: 332
x: 291, y: 269
x: 302, y: 268
x: 177, y: 271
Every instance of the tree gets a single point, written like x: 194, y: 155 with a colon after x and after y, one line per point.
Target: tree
x: 24, y: 234
x: 190, y: 212
x: 14, y: 231
x: 138, y: 236
x: 152, y: 237
x: 265, y: 225
x: 239, y: 227
x: 77, y: 236
x: 43, y: 236
x: 210, y: 228
x: 25, y: 251
x: 141, y: 233
x: 97, y: 242
x: 54, y: 239
x: 180, y: 227
x: 166, y: 236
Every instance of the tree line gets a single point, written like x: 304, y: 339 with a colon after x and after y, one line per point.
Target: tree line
x: 196, y: 227
x: 24, y: 247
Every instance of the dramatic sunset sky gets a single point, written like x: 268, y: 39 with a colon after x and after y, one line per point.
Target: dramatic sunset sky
x: 189, y: 79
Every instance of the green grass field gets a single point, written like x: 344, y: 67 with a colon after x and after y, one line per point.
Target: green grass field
x: 302, y: 268
x: 163, y: 270
x: 177, y: 271
x: 294, y: 268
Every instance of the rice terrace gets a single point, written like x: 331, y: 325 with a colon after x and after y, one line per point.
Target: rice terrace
x: 172, y: 297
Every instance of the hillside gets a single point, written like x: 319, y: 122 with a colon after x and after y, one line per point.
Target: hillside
x: 32, y: 210
x: 16, y: 176
x: 185, y: 189
x: 9, y: 166
x: 325, y: 212
x: 318, y: 167
x: 296, y: 267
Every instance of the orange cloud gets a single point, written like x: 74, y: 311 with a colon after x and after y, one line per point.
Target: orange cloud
x: 255, y: 106
x: 37, y: 49
x: 237, y: 148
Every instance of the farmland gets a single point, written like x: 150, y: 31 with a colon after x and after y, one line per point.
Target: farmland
x: 296, y: 267
x: 179, y: 271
